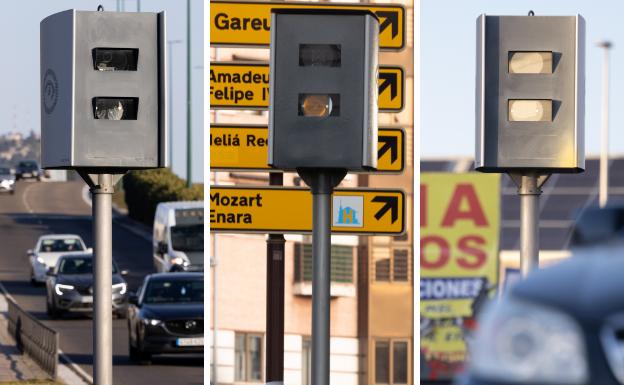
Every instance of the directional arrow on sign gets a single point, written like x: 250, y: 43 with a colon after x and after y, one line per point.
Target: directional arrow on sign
x: 389, y: 79
x: 238, y: 209
x: 390, y: 143
x: 390, y: 19
x: 390, y: 203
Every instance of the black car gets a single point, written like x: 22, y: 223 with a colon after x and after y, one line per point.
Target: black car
x: 167, y: 316
x: 28, y: 169
x: 69, y: 287
x: 561, y: 325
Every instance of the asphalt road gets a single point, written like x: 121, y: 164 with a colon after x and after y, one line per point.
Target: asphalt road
x: 57, y: 207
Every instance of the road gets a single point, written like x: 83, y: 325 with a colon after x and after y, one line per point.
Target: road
x: 58, y: 207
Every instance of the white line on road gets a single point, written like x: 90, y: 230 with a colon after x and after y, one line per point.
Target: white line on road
x: 24, y: 200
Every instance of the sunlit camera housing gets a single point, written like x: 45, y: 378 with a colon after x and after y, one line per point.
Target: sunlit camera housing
x: 530, y: 94
x: 103, y: 91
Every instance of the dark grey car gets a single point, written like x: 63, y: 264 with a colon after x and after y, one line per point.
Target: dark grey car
x: 70, y: 287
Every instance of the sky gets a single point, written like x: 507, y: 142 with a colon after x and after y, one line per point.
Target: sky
x: 448, y: 61
x: 19, y: 101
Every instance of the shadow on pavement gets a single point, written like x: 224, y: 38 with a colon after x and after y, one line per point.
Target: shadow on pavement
x: 124, y: 360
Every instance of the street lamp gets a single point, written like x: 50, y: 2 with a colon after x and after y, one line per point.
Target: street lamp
x: 170, y: 44
x: 603, y: 194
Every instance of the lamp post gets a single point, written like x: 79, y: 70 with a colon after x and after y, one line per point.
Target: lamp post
x: 603, y: 194
x: 170, y: 50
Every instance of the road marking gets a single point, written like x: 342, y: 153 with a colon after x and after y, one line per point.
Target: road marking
x: 25, y: 201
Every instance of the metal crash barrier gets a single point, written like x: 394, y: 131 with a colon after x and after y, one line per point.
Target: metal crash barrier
x: 34, y: 338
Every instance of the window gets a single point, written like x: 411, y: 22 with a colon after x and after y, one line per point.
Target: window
x: 248, y: 360
x: 391, y: 362
x: 341, y: 263
x: 306, y: 361
x: 391, y: 264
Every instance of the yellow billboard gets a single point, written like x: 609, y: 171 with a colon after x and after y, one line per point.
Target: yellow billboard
x: 459, y: 244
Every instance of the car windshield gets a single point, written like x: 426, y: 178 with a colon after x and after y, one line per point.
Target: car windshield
x: 60, y: 245
x: 187, y: 237
x: 28, y: 164
x: 76, y: 265
x: 175, y: 291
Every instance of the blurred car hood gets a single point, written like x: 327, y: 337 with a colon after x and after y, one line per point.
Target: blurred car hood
x: 587, y: 287
x: 82, y: 280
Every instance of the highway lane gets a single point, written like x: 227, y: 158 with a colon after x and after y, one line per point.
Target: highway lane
x: 40, y: 208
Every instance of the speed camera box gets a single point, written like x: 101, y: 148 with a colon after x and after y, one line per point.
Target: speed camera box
x: 103, y: 95
x: 530, y: 94
x: 323, y: 89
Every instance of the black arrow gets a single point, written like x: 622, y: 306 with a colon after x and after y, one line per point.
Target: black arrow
x: 389, y: 203
x: 390, y: 79
x: 391, y: 143
x: 391, y: 18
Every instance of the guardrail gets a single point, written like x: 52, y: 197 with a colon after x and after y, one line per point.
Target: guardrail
x: 34, y: 338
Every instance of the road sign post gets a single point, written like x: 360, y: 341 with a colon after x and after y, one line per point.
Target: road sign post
x: 530, y: 103
x: 275, y: 300
x: 102, y: 188
x: 331, y: 130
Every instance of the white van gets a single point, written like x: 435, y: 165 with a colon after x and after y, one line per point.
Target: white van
x: 178, y: 240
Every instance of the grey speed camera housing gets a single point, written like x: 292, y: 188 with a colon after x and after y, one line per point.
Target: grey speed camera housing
x: 323, y: 89
x: 103, y: 91
x: 530, y: 94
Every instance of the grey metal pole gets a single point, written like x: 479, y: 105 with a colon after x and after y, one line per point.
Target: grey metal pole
x: 321, y: 279
x: 138, y: 5
x: 529, y: 225
x: 603, y: 194
x: 215, y: 263
x: 102, y: 288
x: 188, y: 96
x: 170, y: 65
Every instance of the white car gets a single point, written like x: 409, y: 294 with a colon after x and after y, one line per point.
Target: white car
x: 49, y: 249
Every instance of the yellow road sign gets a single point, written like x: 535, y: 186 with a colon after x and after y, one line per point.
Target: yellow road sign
x: 236, y: 85
x: 248, y: 23
x: 239, y: 147
x: 289, y: 210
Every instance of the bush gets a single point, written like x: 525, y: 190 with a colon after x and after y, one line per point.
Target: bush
x: 144, y: 190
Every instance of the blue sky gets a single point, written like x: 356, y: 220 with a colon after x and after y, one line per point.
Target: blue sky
x: 447, y: 56
x: 19, y: 67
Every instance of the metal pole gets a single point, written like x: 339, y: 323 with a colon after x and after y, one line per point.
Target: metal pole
x: 604, y: 133
x: 188, y: 94
x: 138, y: 5
x: 102, y: 288
x: 275, y: 300
x: 529, y: 188
x: 215, y: 361
x: 321, y: 248
x: 171, y: 43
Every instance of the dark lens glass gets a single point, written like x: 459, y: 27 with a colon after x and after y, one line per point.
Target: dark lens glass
x: 319, y: 105
x: 115, y: 108
x: 115, y: 59
x: 319, y: 55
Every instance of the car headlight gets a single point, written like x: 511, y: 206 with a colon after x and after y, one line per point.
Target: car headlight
x: 121, y: 287
x: 152, y: 322
x: 40, y: 260
x: 59, y: 287
x: 524, y: 342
